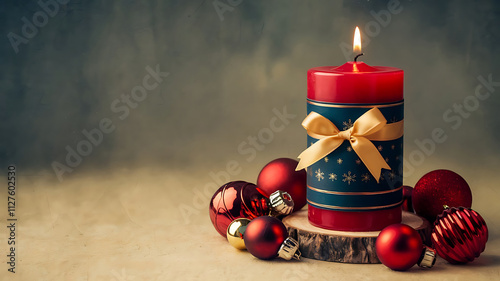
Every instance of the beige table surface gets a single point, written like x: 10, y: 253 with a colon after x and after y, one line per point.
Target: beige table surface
x: 128, y: 225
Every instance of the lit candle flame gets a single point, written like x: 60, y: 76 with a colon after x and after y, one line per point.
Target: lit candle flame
x: 356, y: 45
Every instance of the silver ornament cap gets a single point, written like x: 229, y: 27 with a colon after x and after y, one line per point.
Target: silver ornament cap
x: 428, y: 258
x: 289, y: 249
x: 280, y: 203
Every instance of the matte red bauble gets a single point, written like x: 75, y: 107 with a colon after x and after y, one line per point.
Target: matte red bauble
x: 438, y: 188
x: 234, y: 200
x: 264, y: 237
x: 267, y: 238
x: 280, y: 174
x: 459, y: 235
x: 399, y: 246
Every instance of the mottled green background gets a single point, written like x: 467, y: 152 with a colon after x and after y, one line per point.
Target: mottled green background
x: 228, y: 71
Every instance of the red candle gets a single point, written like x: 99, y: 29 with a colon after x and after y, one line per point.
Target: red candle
x: 355, y: 82
x: 351, y: 84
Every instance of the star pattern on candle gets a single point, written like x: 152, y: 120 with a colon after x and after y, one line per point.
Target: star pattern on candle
x: 347, y: 124
x: 380, y: 148
x: 386, y: 159
x: 349, y: 177
x: 392, y: 175
x: 349, y: 148
x: 365, y: 177
x: 393, y: 147
x: 332, y: 176
x: 358, y: 161
x: 319, y: 174
x: 326, y: 159
x: 339, y: 161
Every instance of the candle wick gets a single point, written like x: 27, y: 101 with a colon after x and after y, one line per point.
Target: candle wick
x: 356, y: 57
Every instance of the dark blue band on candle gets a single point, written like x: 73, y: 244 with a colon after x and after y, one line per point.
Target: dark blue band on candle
x: 352, y: 209
x: 342, y: 171
x: 361, y: 200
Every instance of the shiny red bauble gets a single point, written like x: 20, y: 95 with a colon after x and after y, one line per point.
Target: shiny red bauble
x: 399, y: 247
x: 264, y: 237
x: 280, y: 174
x: 234, y: 200
x: 407, y: 199
x: 459, y: 235
x: 438, y: 188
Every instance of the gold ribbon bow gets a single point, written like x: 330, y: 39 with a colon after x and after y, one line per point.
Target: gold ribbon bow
x: 371, y: 126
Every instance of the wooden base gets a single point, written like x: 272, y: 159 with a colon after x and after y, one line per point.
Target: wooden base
x: 342, y: 246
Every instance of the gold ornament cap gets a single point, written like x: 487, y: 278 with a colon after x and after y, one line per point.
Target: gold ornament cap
x: 280, y: 203
x: 289, y: 249
x: 428, y: 258
x: 235, y: 232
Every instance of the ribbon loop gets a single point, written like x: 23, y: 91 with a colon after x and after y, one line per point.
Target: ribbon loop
x: 372, y: 125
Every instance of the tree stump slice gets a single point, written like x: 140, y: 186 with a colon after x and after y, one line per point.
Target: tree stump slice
x: 343, y: 246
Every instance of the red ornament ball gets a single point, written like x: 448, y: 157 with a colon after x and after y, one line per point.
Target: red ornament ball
x: 459, y: 235
x: 234, y: 200
x: 280, y: 174
x: 438, y: 188
x: 264, y: 236
x: 407, y: 199
x: 399, y: 247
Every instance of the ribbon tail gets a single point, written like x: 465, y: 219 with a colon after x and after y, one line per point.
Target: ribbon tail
x: 370, y: 156
x: 317, y: 151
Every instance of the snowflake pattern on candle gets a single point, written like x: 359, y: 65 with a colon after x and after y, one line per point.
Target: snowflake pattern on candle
x: 319, y: 175
x: 365, y: 177
x: 347, y: 124
x: 349, y: 178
